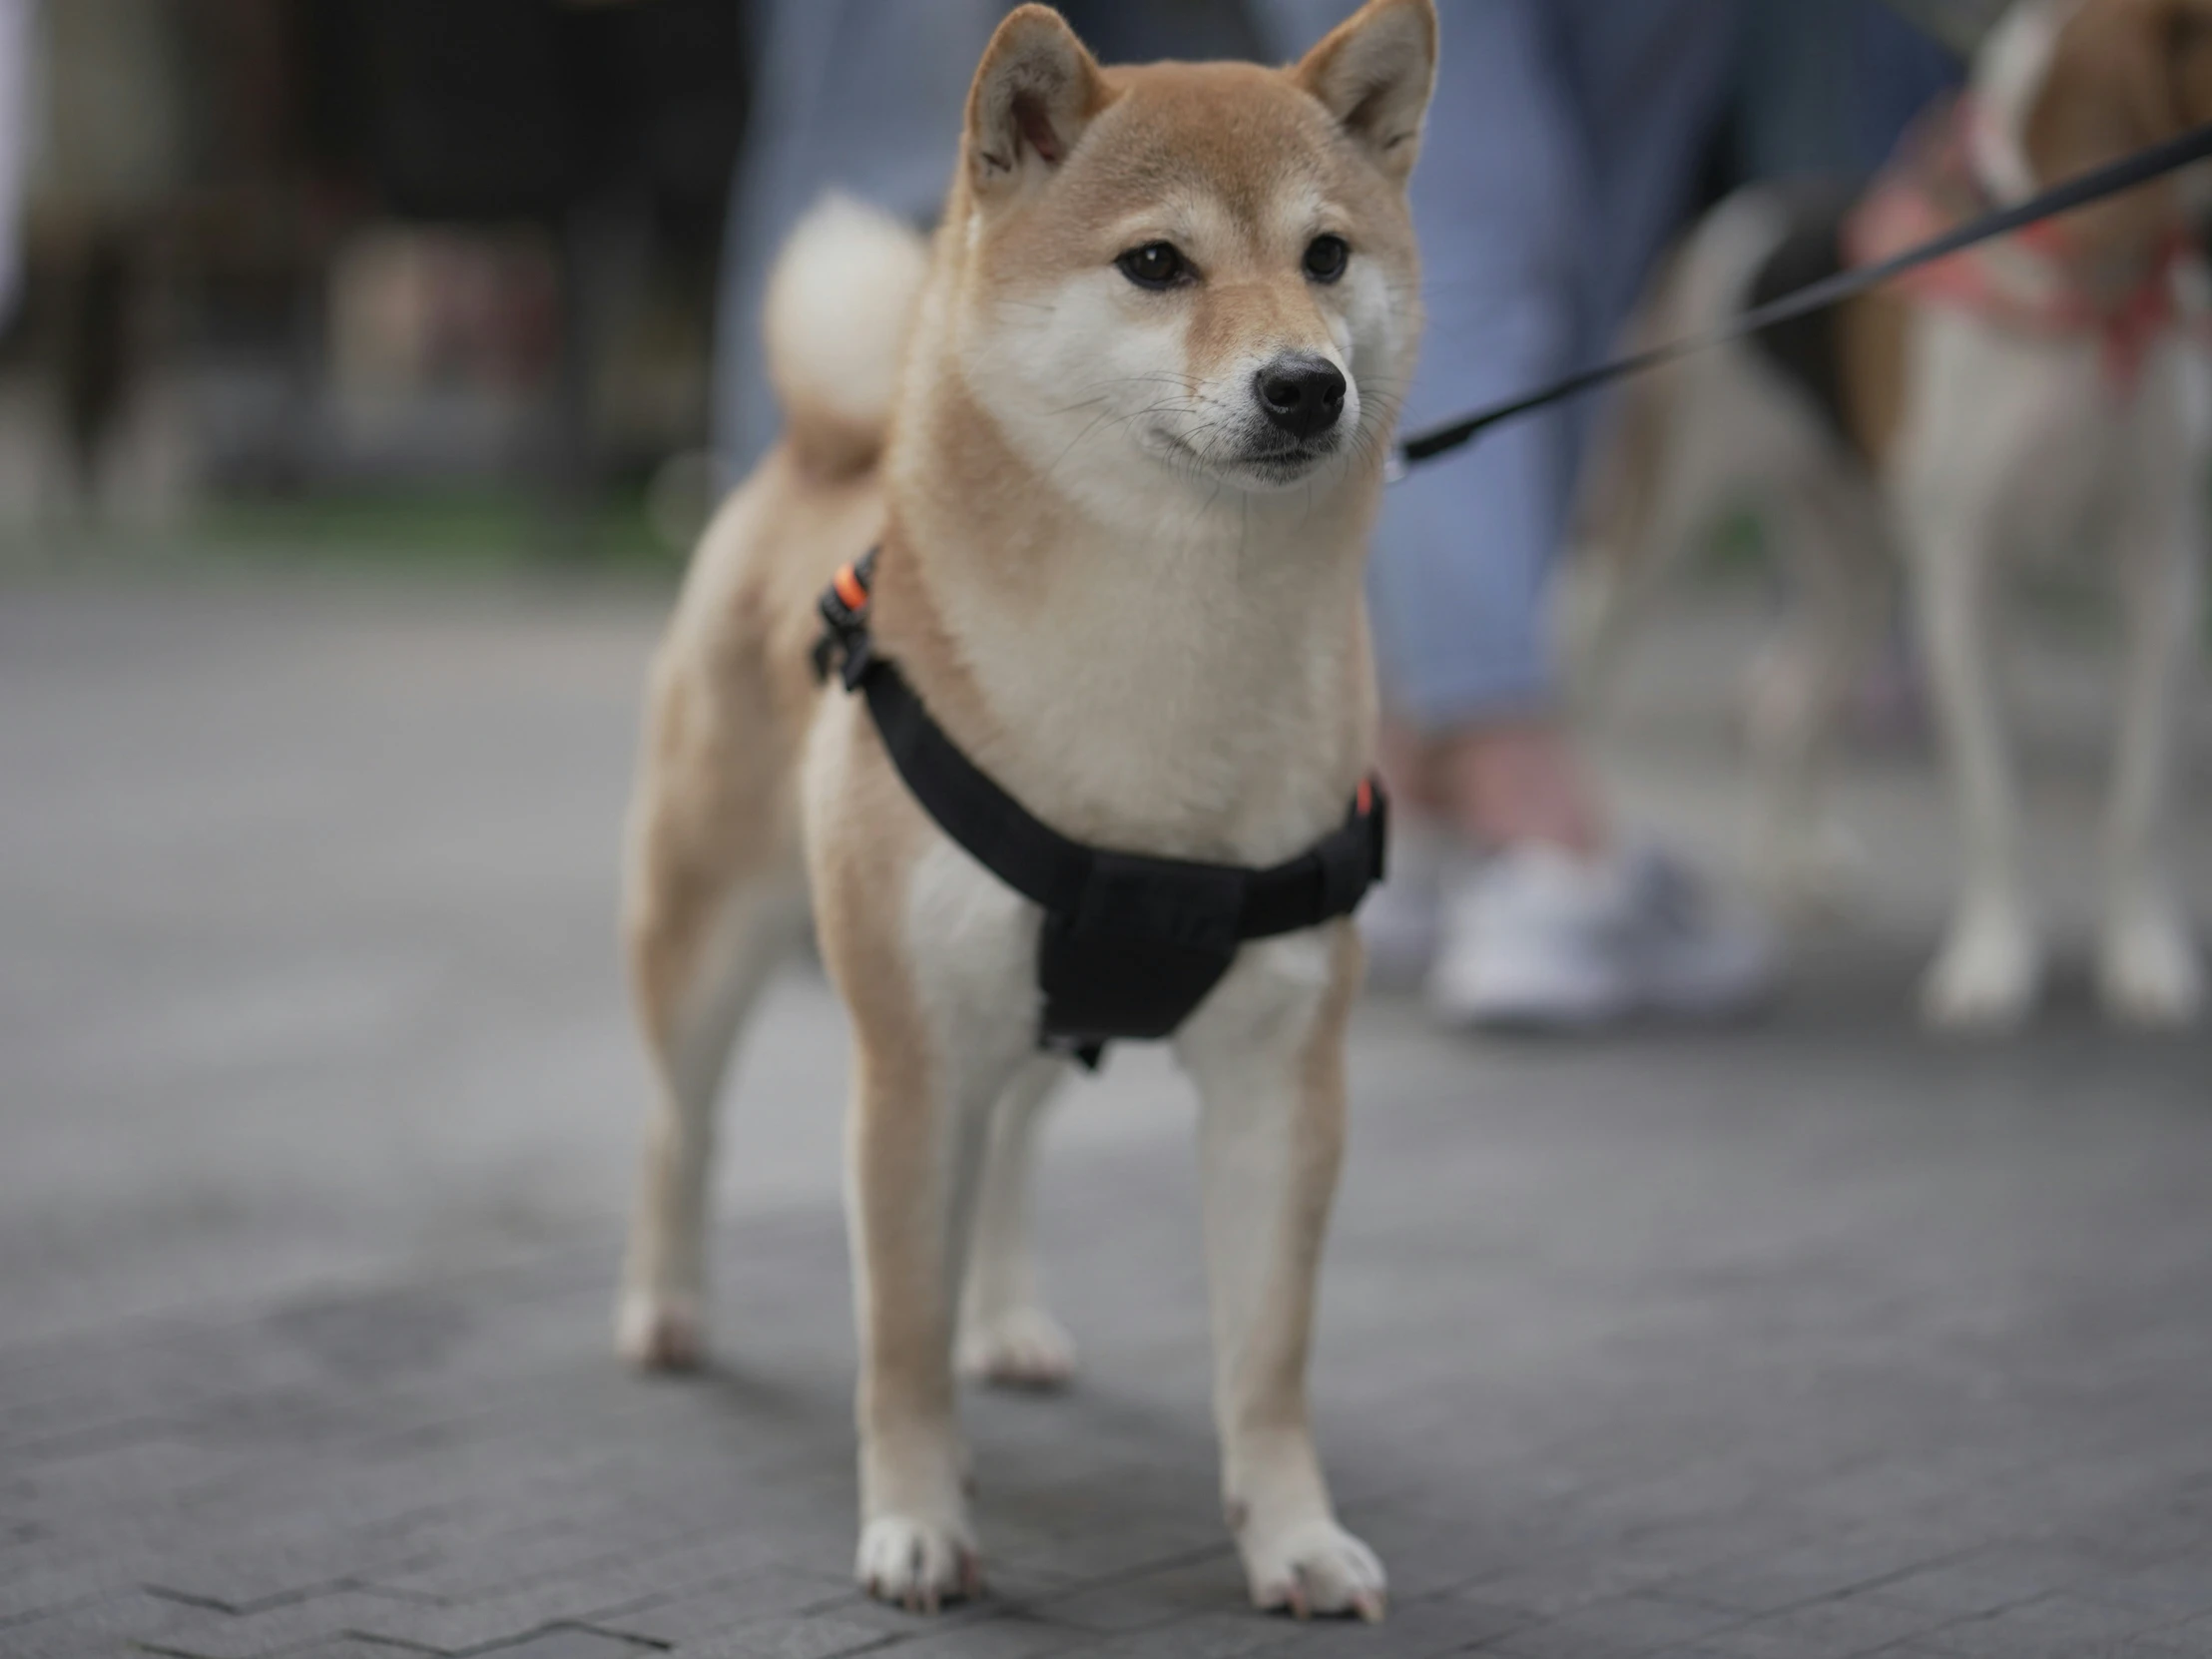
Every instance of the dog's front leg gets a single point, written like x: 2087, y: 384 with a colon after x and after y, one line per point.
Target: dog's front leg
x: 1267, y: 1052
x: 1986, y: 975
x: 2148, y: 972
x: 915, y: 1144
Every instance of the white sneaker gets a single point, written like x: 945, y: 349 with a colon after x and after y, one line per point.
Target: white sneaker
x: 1401, y: 921
x: 1537, y: 940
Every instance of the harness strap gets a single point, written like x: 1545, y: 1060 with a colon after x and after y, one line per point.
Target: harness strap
x: 1179, y: 898
x: 1133, y: 943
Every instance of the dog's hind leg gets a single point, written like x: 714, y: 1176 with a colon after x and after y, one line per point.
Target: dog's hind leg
x: 697, y: 977
x: 1008, y: 1334
x: 714, y: 898
x: 2148, y: 972
x: 1835, y: 543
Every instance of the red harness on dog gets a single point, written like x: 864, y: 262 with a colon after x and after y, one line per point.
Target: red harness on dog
x: 2037, y: 280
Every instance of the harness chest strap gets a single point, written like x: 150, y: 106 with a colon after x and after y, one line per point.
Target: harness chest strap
x: 1131, y: 943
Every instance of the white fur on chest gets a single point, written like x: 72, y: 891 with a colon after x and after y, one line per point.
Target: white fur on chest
x: 1203, y: 699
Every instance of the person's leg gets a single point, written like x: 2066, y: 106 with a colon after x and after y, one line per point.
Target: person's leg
x: 1561, y: 144
x: 1561, y: 926
x: 1648, y: 84
x: 1463, y: 550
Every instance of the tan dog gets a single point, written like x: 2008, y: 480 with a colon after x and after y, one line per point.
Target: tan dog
x: 1119, y: 436
x: 2045, y: 394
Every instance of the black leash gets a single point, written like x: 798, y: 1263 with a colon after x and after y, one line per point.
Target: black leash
x: 2143, y: 168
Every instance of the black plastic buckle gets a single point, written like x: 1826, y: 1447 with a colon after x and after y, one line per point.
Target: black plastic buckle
x: 843, y: 643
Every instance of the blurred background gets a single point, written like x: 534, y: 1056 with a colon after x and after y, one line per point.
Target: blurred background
x: 444, y: 278
x: 329, y: 268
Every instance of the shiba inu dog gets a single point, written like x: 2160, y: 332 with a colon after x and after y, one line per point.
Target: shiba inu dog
x: 2047, y: 389
x: 1118, y: 435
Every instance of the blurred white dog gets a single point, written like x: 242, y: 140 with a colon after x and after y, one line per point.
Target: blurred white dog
x: 2047, y: 389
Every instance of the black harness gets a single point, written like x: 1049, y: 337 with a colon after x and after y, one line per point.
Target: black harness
x: 1131, y: 945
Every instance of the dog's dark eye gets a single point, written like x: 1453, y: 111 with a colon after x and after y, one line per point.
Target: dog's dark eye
x: 1157, y: 265
x: 1326, y: 257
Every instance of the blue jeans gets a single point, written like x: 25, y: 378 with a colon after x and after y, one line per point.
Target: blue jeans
x: 1560, y: 152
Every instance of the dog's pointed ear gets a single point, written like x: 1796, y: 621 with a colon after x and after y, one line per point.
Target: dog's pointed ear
x: 1375, y: 73
x: 1035, y: 91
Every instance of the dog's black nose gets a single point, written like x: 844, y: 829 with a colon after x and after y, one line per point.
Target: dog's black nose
x: 1302, y: 394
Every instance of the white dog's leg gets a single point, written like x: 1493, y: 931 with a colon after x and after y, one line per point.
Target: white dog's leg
x: 660, y: 1321
x: 1836, y: 542
x: 1267, y: 1052
x: 2148, y: 972
x: 1657, y: 480
x: 1987, y: 974
x: 1008, y: 1334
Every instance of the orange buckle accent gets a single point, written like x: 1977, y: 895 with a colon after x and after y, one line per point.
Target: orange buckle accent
x: 850, y: 588
x: 1364, y: 800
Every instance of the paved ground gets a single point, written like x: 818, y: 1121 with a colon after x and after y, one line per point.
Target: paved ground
x: 315, y: 1117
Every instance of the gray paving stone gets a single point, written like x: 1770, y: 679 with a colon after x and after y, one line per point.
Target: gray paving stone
x: 1223, y: 1635
x: 569, y: 1644
x: 698, y: 1614
x: 1413, y: 1630
x: 1837, y: 1628
x: 1987, y: 1582
x: 807, y: 1638
x: 2053, y: 1626
x: 2181, y: 1590
x: 1010, y: 1636
x: 1621, y: 1628
x: 1790, y: 1578
x: 102, y: 1624
x: 2191, y: 1639
x: 205, y: 1633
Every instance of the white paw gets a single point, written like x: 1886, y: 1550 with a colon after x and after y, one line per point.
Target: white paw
x: 1022, y: 1348
x: 917, y: 1564
x: 1313, y: 1567
x: 1985, y: 978
x: 2149, y: 974
x: 659, y: 1331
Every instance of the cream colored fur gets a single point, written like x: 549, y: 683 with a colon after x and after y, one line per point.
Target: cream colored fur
x: 1125, y: 597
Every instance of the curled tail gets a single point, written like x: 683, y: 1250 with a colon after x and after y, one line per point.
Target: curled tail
x: 840, y: 303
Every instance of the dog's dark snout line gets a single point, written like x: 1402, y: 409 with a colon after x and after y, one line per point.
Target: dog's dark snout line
x: 1302, y: 394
